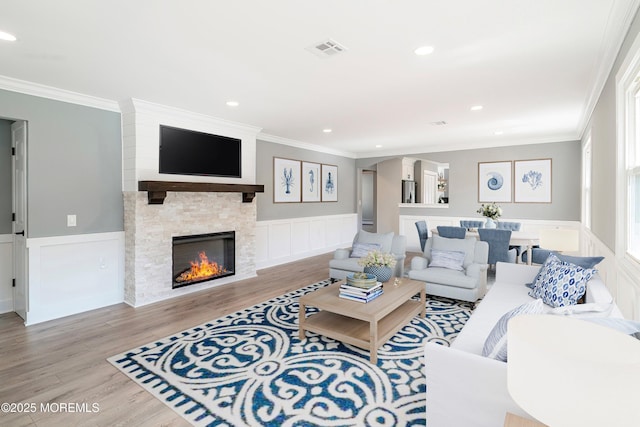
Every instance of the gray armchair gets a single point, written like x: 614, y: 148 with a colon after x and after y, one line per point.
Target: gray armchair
x: 466, y: 280
x: 345, y: 261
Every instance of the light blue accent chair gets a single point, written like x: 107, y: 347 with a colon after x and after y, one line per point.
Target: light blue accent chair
x: 469, y: 224
x: 469, y: 283
x: 423, y: 233
x: 451, y: 232
x: 498, y: 241
x: 345, y: 260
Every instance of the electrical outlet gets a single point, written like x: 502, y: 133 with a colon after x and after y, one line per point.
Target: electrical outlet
x: 71, y: 220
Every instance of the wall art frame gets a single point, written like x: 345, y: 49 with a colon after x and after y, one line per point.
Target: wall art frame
x: 329, y: 183
x: 533, y: 181
x: 495, y: 182
x: 286, y: 180
x: 310, y: 182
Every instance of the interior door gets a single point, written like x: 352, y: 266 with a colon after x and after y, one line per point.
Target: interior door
x: 430, y: 187
x: 19, y: 167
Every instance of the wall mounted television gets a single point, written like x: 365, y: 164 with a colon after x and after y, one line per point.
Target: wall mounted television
x: 188, y: 152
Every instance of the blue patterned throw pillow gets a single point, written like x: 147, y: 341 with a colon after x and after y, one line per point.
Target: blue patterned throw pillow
x: 453, y: 260
x: 560, y: 284
x: 495, y: 345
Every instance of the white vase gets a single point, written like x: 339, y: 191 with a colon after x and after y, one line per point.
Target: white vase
x: 490, y: 223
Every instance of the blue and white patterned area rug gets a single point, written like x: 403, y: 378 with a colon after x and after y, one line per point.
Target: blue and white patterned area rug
x: 250, y: 369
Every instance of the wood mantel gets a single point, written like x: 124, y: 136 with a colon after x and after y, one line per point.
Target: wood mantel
x: 157, y: 190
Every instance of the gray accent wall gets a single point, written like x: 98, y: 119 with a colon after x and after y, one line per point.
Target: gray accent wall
x: 267, y: 210
x: 5, y: 177
x: 602, y: 127
x: 74, y: 165
x: 463, y: 181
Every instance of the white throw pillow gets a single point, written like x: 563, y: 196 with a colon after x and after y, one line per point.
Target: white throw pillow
x: 467, y: 246
x: 453, y: 260
x: 360, y: 250
x: 495, y: 346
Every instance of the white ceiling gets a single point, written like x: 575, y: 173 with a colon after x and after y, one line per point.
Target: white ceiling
x: 536, y: 66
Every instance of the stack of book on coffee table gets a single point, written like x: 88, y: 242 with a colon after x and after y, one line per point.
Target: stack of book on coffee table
x: 361, y: 289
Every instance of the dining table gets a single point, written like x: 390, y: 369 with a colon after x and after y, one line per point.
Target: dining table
x: 518, y: 238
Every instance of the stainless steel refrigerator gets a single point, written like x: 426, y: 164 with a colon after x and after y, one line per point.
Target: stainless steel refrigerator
x: 408, y: 191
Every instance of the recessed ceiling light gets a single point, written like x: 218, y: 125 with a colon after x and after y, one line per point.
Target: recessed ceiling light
x: 327, y: 130
x: 476, y: 108
x: 423, y: 50
x: 233, y: 103
x: 7, y: 37
x: 378, y: 145
x: 498, y: 132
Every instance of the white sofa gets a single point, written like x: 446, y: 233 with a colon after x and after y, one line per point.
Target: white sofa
x: 463, y: 387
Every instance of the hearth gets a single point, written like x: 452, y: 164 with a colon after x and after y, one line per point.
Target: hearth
x: 203, y: 257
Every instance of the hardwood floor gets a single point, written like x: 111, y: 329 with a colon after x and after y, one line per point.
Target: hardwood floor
x: 64, y: 360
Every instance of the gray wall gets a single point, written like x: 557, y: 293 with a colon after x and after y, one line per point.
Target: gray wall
x: 463, y: 181
x: 74, y: 165
x: 5, y: 177
x: 603, y: 143
x: 267, y: 210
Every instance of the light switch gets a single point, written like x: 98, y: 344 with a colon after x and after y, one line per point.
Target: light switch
x: 71, y: 220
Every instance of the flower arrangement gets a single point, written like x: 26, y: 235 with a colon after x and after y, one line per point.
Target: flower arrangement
x: 377, y: 259
x: 490, y: 210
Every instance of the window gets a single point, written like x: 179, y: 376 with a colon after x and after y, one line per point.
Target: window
x: 628, y: 188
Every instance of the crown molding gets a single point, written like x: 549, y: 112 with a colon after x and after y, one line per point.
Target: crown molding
x: 304, y: 145
x: 49, y: 92
x: 610, y: 48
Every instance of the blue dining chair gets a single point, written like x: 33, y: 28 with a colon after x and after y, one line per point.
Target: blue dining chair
x: 506, y: 225
x: 498, y: 241
x: 423, y: 233
x: 451, y: 232
x: 469, y: 223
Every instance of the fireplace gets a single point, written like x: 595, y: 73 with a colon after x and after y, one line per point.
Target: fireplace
x: 203, y: 257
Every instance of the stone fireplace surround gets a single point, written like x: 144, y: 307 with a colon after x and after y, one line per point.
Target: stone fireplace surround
x: 149, y: 229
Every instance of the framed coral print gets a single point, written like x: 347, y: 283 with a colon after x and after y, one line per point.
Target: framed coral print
x: 532, y: 181
x: 494, y: 182
x: 286, y: 180
x: 329, y: 189
x: 310, y: 182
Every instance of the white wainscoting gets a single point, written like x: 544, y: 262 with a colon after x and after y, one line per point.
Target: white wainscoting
x: 622, y: 278
x: 285, y: 240
x: 6, y: 273
x: 73, y: 274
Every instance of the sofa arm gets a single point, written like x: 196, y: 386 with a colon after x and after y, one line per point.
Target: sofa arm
x: 341, y: 253
x: 476, y: 270
x: 419, y: 263
x: 466, y: 389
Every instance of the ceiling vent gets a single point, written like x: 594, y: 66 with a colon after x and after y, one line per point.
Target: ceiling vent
x: 439, y: 123
x: 326, y: 48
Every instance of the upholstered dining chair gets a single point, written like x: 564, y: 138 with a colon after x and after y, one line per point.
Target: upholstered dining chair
x: 451, y: 232
x: 423, y: 233
x: 469, y: 223
x: 506, y: 225
x: 513, y: 226
x: 498, y: 241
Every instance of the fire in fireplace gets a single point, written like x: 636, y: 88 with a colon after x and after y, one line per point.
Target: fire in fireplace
x: 203, y: 257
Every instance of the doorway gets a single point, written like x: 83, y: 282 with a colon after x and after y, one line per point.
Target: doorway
x: 368, y: 200
x: 19, y: 203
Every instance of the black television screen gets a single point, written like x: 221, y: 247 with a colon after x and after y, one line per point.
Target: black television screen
x: 187, y: 152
